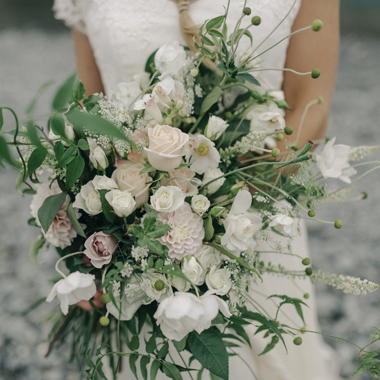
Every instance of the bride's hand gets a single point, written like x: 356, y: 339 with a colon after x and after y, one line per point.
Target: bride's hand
x: 96, y: 301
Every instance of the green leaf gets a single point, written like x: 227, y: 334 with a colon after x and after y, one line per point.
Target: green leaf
x: 163, y: 351
x: 83, y: 145
x: 359, y: 371
x: 1, y: 119
x: 147, y: 169
x: 154, y: 369
x: 215, y: 33
x: 214, y: 377
x: 209, y: 228
x: 256, y: 95
x: 36, y: 159
x: 64, y: 94
x: 4, y: 152
x: 180, y: 345
x: 206, y: 41
x: 107, y: 208
x: 74, y: 171
x: 91, y: 102
x: 211, y: 99
x: 68, y: 156
x: 74, y: 221
x: 49, y: 209
x: 159, y: 229
x: 282, y: 104
x: 149, y: 221
x: 241, y: 332
x: 78, y: 91
x: 132, y: 364
x: 172, y: 371
x: 208, y: 348
x: 151, y: 344
x: 58, y: 124
x: 153, y: 246
x: 137, y: 231
x: 249, y: 78
x: 59, y: 150
x: 215, y: 23
x: 95, y: 124
x: 135, y: 342
x: 270, y: 345
x: 245, y: 32
x: 33, y: 135
x: 370, y: 361
x: 143, y: 364
x: 34, y: 248
x: 150, y: 67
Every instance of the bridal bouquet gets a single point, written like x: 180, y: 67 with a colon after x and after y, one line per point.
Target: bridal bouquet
x: 156, y: 198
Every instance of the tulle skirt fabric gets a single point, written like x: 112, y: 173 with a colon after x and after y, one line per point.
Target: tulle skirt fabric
x: 313, y: 360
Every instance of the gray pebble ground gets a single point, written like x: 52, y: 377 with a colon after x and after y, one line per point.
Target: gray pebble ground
x: 30, y: 57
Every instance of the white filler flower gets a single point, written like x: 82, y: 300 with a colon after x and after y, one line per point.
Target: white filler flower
x: 333, y: 162
x: 72, y: 289
x: 241, y: 225
x: 167, y: 199
x: 215, y: 127
x: 284, y: 223
x: 182, y: 313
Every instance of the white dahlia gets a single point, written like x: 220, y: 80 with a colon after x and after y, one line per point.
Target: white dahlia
x: 185, y: 237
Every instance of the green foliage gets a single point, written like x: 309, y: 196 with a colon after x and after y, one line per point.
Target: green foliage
x: 68, y: 156
x: 292, y: 301
x: 58, y: 124
x: 36, y: 159
x: 74, y: 221
x: 209, y: 349
x: 74, y: 171
x: 34, y: 248
x: 215, y: 23
x: 64, y: 94
x: 211, y: 99
x: 78, y: 91
x: 49, y: 209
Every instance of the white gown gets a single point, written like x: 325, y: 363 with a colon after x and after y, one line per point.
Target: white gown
x: 123, y: 33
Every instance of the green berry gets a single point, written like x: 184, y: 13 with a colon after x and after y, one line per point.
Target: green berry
x: 105, y: 298
x: 306, y: 261
x: 338, y: 224
x: 306, y: 296
x: 297, y: 341
x: 295, y: 147
x: 104, y: 321
x: 256, y: 20
x: 303, y: 329
x: 275, y: 152
x: 288, y: 130
x: 317, y: 25
x: 228, y: 115
x: 159, y: 285
x: 247, y: 11
x: 311, y: 213
x: 159, y: 264
x: 364, y: 195
x: 280, y: 137
x: 320, y: 100
x: 315, y: 73
x: 308, y: 271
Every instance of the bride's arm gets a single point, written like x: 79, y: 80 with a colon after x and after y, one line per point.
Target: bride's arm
x: 88, y: 71
x: 306, y: 51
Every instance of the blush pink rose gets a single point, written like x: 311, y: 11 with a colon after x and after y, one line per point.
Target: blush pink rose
x: 166, y: 146
x: 99, y: 248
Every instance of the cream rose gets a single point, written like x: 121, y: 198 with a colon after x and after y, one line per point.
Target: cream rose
x: 122, y: 202
x: 88, y: 199
x: 193, y: 270
x: 165, y: 147
x: 97, y: 155
x: 128, y: 177
x: 167, y: 199
x: 208, y: 257
x: 200, y: 204
x: 218, y: 281
x: 102, y: 182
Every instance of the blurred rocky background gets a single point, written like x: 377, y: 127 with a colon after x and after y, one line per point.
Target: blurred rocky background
x: 35, y: 48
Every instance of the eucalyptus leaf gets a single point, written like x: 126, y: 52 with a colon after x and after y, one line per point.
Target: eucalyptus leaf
x: 64, y: 94
x: 74, y: 171
x: 49, y: 209
x: 74, y: 221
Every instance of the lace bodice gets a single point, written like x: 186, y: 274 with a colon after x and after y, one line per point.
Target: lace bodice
x: 123, y: 33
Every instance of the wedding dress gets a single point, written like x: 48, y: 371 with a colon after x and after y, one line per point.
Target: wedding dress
x: 123, y: 33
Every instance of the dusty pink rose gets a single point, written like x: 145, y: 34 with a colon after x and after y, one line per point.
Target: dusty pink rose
x: 187, y: 233
x: 182, y: 181
x: 128, y: 178
x: 61, y: 232
x: 99, y: 248
x: 166, y: 147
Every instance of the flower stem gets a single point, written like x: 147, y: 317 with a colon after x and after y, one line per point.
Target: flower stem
x: 63, y: 258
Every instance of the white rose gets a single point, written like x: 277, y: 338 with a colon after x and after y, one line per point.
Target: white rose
x: 148, y: 285
x: 209, y: 176
x: 182, y: 313
x: 200, y: 204
x: 165, y: 147
x: 102, y: 182
x: 218, y: 281
x: 333, y: 162
x: 97, y: 155
x: 122, y: 202
x: 215, y: 127
x: 271, y: 121
x: 170, y: 58
x: 180, y: 284
x: 240, y: 225
x: 88, y: 199
x: 192, y: 269
x: 167, y: 199
x: 204, y: 155
x: 72, y: 289
x: 128, y: 177
x: 284, y: 223
x: 208, y: 257
x: 182, y: 180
